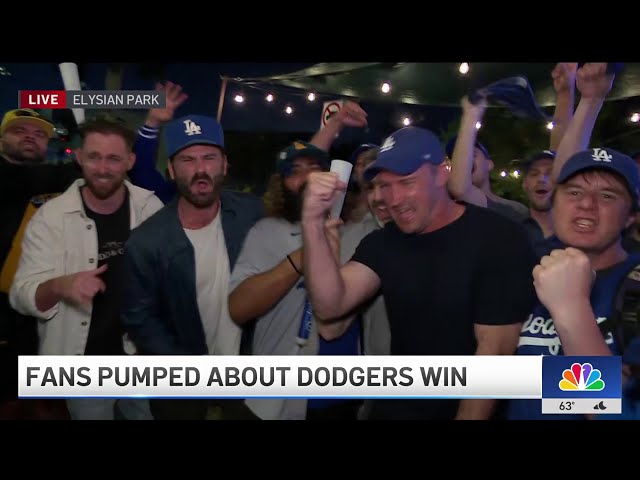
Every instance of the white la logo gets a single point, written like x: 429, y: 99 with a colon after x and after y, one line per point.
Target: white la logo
x: 601, y: 155
x: 191, y: 128
x: 388, y: 144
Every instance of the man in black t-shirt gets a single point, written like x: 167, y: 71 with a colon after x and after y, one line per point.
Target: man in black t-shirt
x: 456, y: 278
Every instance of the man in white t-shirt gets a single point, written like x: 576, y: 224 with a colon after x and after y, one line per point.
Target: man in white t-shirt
x: 178, y: 263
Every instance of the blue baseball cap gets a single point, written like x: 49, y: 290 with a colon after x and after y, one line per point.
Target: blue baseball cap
x: 514, y: 93
x: 405, y: 151
x: 604, y: 159
x: 193, y: 130
x: 543, y: 155
x: 451, y: 144
x: 361, y: 148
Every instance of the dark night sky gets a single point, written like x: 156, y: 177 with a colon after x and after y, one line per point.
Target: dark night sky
x: 202, y: 82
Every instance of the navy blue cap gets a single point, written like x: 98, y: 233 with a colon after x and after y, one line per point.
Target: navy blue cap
x: 362, y: 148
x: 543, y: 155
x: 405, y: 151
x: 606, y: 159
x: 193, y: 130
x: 514, y: 93
x: 298, y: 149
x: 451, y: 144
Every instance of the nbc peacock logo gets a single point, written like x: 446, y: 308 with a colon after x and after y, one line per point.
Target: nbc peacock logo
x: 581, y: 377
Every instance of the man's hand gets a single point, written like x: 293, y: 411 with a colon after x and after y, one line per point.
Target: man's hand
x: 593, y: 81
x: 80, y: 288
x: 352, y: 115
x: 564, y: 77
x: 563, y: 279
x: 321, y: 192
x: 476, y: 110
x: 175, y: 97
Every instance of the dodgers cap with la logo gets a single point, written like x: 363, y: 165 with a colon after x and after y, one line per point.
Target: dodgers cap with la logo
x: 193, y: 130
x: 405, y: 151
x: 604, y: 159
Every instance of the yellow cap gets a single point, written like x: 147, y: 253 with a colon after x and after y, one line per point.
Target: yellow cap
x: 26, y: 113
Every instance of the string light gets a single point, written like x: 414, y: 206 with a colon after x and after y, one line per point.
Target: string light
x: 516, y: 173
x: 550, y: 125
x: 239, y: 98
x: 288, y: 110
x: 478, y: 125
x: 503, y: 174
x: 386, y: 88
x: 311, y: 97
x: 635, y: 118
x: 406, y: 121
x: 464, y: 68
x: 269, y: 98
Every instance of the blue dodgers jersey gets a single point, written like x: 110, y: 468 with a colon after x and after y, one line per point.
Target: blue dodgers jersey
x: 538, y: 335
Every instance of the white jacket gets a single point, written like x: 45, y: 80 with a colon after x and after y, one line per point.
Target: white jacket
x: 59, y: 240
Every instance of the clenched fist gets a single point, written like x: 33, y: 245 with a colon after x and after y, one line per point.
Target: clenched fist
x: 564, y: 277
x: 352, y: 115
x: 323, y: 188
x: 593, y: 81
x: 564, y: 76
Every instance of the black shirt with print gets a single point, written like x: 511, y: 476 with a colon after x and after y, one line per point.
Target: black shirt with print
x: 105, y: 332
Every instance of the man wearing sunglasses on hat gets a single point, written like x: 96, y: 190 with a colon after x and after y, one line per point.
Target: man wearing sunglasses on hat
x: 26, y: 182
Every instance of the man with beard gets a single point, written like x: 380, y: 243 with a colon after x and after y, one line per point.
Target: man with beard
x: 178, y: 262
x: 267, y: 287
x: 70, y: 274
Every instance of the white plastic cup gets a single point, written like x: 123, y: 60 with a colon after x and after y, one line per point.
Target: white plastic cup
x: 343, y: 169
x: 71, y: 80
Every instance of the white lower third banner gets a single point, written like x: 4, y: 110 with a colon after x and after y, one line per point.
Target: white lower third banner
x: 281, y: 376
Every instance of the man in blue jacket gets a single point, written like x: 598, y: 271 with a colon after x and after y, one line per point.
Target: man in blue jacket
x: 178, y: 261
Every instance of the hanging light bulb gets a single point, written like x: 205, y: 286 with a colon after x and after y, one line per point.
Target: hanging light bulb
x: 269, y: 98
x: 288, y: 110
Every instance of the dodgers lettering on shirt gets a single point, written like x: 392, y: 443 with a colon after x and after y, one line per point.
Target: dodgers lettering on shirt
x: 539, y: 337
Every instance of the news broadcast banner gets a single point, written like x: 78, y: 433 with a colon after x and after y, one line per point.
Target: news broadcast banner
x: 91, y: 99
x: 579, y: 385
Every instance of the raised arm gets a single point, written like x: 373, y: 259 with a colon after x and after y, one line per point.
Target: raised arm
x: 594, y: 84
x: 144, y: 172
x: 564, y: 83
x: 460, y: 184
x: 350, y: 115
x: 334, y: 291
